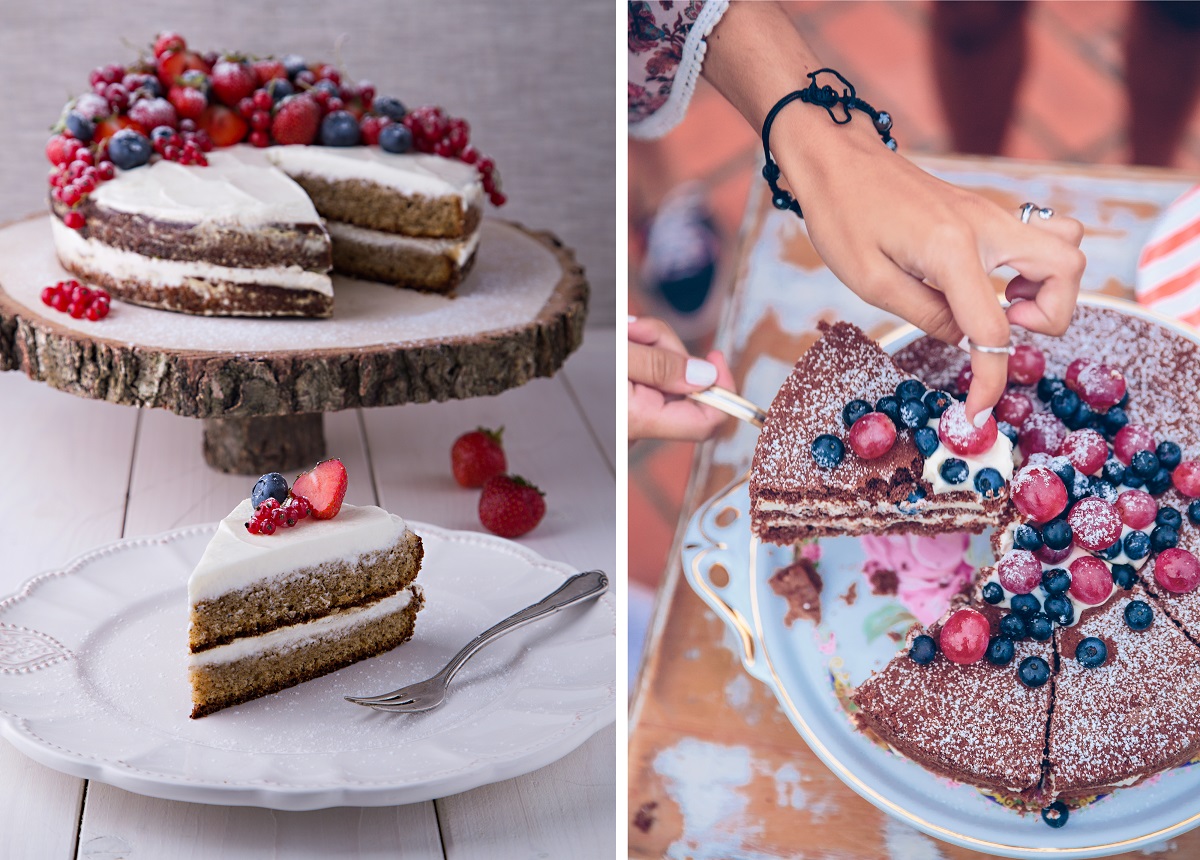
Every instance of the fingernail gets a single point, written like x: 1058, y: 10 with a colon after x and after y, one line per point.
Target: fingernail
x: 965, y: 344
x: 632, y: 319
x: 700, y: 372
x: 982, y: 417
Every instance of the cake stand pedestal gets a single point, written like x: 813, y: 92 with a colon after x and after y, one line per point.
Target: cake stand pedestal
x: 262, y: 385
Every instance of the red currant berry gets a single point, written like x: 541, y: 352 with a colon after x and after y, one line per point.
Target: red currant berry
x: 74, y: 220
x: 1019, y: 571
x: 261, y: 99
x: 1094, y: 523
x: 1039, y: 494
x: 260, y: 138
x: 872, y: 435
x: 48, y: 294
x: 93, y: 313
x: 1186, y: 478
x: 1042, y: 433
x: 260, y: 120
x: 1101, y: 386
x: 335, y: 103
x: 253, y: 526
x: 1071, y: 377
x: 1014, y: 408
x: 961, y: 436
x: 1177, y: 570
x: 77, y: 310
x: 1091, y: 581
x: 964, y: 637
x: 1086, y: 449
x: 469, y: 155
x: 279, y: 515
x: 1130, y: 439
x: 246, y: 107
x: 1136, y: 508
x: 1026, y: 365
x: 443, y: 148
x: 268, y: 527
x: 498, y: 199
x: 101, y: 309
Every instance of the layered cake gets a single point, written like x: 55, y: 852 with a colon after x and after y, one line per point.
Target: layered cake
x: 216, y: 185
x: 294, y: 585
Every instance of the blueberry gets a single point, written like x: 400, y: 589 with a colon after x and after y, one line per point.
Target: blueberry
x: 390, y: 107
x: 1013, y: 626
x: 1124, y: 576
x: 1103, y: 489
x: 993, y: 593
x: 890, y: 407
x: 923, y: 650
x: 1110, y: 552
x: 954, y: 471
x: 1081, y: 488
x: 926, y: 439
x: 1056, y: 534
x: 1194, y: 512
x: 1091, y: 652
x: 1047, y: 387
x: 1008, y: 430
x: 913, y: 414
x: 162, y: 132
x: 1062, y: 467
x: 1132, y: 481
x: 1114, y: 420
x: 1060, y: 609
x: 1159, y: 482
x: 1055, y: 581
x: 1137, y: 545
x: 1025, y: 605
x: 1033, y: 671
x: 1124, y: 401
x: 1163, y: 537
x: 828, y: 451
x: 1168, y: 516
x: 936, y: 402
x: 277, y: 88
x: 915, y: 496
x: 338, y: 128
x: 1056, y: 814
x: 1000, y: 651
x: 270, y: 486
x: 1027, y: 537
x: 1144, y: 464
x: 989, y: 483
x: 1114, y: 471
x: 1138, y: 615
x: 80, y: 127
x: 328, y: 86
x: 128, y: 149
x: 1039, y: 627
x: 1083, y: 417
x: 294, y: 64
x: 910, y: 389
x: 1064, y: 404
x: 398, y: 139
x: 1168, y: 454
x: 851, y: 412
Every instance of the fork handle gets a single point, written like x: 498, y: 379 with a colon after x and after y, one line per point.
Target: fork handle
x: 580, y: 587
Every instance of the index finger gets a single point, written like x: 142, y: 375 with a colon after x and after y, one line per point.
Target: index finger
x: 1051, y: 269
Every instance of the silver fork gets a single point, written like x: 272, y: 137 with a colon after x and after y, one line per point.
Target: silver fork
x: 427, y: 695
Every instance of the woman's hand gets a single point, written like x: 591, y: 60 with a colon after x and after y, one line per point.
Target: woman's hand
x: 661, y: 374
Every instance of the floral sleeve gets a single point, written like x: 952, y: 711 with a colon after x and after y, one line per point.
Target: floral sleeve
x: 666, y: 50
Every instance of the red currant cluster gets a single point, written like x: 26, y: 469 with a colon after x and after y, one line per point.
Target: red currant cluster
x: 74, y: 298
x: 271, y: 515
x: 76, y: 172
x: 435, y: 132
x: 186, y: 146
x: 256, y: 109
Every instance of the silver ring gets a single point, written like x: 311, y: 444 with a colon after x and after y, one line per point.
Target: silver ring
x: 995, y: 350
x: 1043, y: 212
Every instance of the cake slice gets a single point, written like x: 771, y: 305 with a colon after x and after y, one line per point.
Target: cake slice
x: 268, y: 611
x: 799, y: 489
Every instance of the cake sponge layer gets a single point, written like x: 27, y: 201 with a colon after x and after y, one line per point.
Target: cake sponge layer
x: 432, y: 265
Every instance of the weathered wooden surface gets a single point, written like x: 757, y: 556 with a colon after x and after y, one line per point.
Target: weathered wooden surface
x: 715, y: 769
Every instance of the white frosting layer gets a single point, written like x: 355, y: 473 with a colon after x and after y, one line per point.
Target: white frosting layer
x: 235, y: 558
x: 416, y: 174
x: 238, y: 187
x: 458, y: 250
x: 998, y: 457
x: 74, y: 249
x: 285, y: 639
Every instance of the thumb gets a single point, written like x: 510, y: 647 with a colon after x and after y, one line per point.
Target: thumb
x: 669, y: 371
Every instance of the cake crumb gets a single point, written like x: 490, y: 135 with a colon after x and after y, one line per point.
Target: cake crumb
x: 800, y: 585
x: 644, y: 819
x: 883, y: 582
x: 851, y: 594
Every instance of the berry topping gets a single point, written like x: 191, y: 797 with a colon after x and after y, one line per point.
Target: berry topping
x: 1124, y: 576
x: 324, y: 488
x: 872, y: 435
x: 395, y: 138
x: 936, y: 402
x: 1193, y: 512
x: 1163, y: 537
x: 233, y: 81
x: 1012, y: 626
x: 389, y: 107
x: 954, y: 471
x: 1076, y: 367
x: 296, y: 120
x: 910, y: 389
x: 129, y: 149
x: 270, y: 486
x: 1009, y: 431
x: 1114, y: 420
x: 338, y: 128
x: 1039, y: 627
x: 151, y: 114
x: 1064, y: 404
x: 1144, y: 464
x: 926, y: 440
x: 1130, y: 439
x: 73, y: 298
x: 1039, y: 494
x: 1000, y: 651
x: 1159, y: 482
x: 510, y: 506
x: 890, y: 407
x: 923, y: 650
x: 1033, y: 672
x: 223, y: 125
x: 1186, y: 479
x: 1087, y: 451
x: 1049, y: 555
x: 989, y: 483
x: 1136, y: 508
x: 1168, y: 516
x: 189, y: 103
x: 1102, y: 489
x: 1025, y: 605
x: 961, y: 436
x: 1091, y: 652
x: 1014, y: 408
x: 964, y: 637
x: 1100, y: 386
x: 1056, y: 814
x: 479, y: 455
x: 1177, y: 570
x: 1060, y: 609
x: 913, y: 414
x: 992, y: 593
x: 1027, y: 537
x: 1042, y: 434
x: 1138, y: 615
x: 1136, y: 545
x: 1019, y: 572
x: 1047, y: 387
x: 1091, y: 583
x: 80, y: 127
x: 1026, y: 365
x: 854, y: 410
x: 1095, y: 523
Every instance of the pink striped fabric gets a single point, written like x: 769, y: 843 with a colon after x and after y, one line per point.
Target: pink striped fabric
x: 1168, y: 274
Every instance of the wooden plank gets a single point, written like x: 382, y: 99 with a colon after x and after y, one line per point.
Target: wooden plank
x: 590, y: 373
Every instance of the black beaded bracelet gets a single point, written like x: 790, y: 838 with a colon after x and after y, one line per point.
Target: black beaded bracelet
x: 828, y: 98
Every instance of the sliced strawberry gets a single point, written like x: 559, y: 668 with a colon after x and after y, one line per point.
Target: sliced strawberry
x: 296, y: 120
x: 223, y: 125
x: 110, y: 126
x: 324, y: 488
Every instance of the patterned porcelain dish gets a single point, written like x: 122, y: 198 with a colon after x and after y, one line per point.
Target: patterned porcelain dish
x: 810, y: 667
x: 93, y: 682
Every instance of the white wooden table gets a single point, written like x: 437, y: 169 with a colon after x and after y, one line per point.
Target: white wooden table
x: 80, y: 473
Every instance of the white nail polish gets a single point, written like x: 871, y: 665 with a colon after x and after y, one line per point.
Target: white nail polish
x: 632, y: 319
x: 700, y: 372
x: 965, y: 344
x: 982, y: 417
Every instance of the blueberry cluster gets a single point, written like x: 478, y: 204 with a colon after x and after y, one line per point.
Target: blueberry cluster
x: 910, y: 408
x: 1069, y: 408
x: 989, y: 483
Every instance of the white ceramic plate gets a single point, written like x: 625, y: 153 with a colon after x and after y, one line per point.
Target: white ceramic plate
x: 93, y: 683
x: 811, y: 667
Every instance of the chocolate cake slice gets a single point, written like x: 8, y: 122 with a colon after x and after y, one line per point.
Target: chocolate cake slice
x: 794, y: 496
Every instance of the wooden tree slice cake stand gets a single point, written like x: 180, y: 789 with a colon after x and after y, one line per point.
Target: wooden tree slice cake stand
x: 262, y: 385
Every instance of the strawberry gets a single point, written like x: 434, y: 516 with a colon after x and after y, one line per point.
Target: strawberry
x: 223, y: 125
x: 232, y: 81
x: 167, y: 42
x: 297, y: 119
x: 477, y: 456
x: 151, y: 113
x: 61, y: 149
x: 107, y: 128
x: 510, y: 506
x: 188, y: 103
x: 170, y: 67
x: 266, y: 70
x: 324, y: 488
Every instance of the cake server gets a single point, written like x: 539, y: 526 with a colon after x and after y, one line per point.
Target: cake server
x: 426, y: 695
x: 731, y: 404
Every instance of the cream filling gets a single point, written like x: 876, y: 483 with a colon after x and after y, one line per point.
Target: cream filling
x: 998, y: 457
x: 458, y: 250
x: 74, y: 249
x: 285, y: 639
